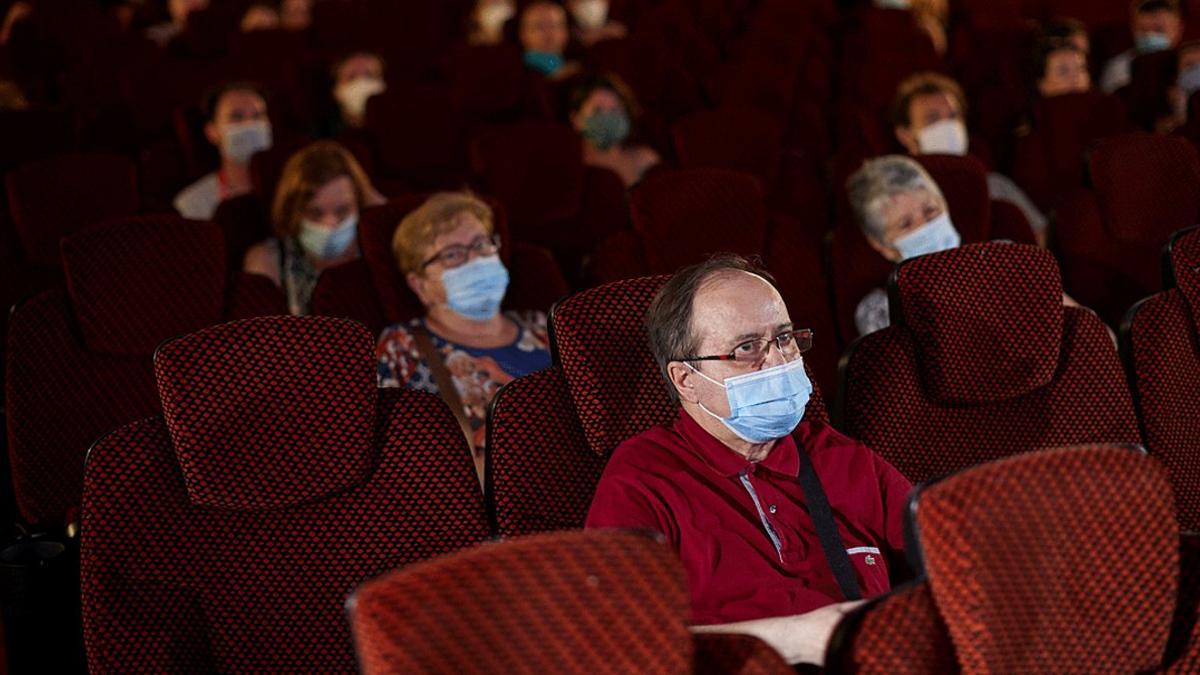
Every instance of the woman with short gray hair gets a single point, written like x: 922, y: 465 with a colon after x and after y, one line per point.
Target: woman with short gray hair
x: 903, y: 215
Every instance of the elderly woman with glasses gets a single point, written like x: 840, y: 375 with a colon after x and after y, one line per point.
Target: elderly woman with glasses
x: 464, y: 348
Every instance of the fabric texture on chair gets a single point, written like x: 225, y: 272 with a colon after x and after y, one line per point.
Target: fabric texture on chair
x: 602, y: 601
x: 1161, y: 346
x: 172, y: 584
x: 901, y: 632
x: 541, y: 474
x: 79, y: 363
x: 1147, y: 186
x: 1063, y: 560
x: 59, y: 196
x: 903, y: 390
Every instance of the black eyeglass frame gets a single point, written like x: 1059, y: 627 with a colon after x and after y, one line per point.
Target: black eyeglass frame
x: 473, y: 247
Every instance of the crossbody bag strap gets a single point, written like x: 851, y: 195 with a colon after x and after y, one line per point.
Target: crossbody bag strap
x: 445, y: 383
x: 827, y: 530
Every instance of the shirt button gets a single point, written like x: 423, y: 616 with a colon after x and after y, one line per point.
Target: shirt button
x: 772, y: 508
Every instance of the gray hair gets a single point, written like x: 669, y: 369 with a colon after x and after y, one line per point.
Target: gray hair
x: 880, y: 179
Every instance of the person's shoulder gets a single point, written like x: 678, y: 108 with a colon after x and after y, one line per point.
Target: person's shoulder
x: 401, y: 330
x: 650, y: 448
x: 528, y: 318
x: 819, y: 438
x: 200, y: 199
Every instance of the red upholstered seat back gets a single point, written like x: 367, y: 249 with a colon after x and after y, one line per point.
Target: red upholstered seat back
x: 1161, y: 346
x: 738, y: 138
x: 1026, y: 555
x: 599, y: 341
x: 1147, y: 186
x: 56, y: 197
x: 418, y: 136
x: 607, y: 600
x: 963, y: 182
x: 535, y: 169
x: 206, y: 554
x: 982, y: 361
x: 685, y: 216
x: 900, y: 632
x: 79, y: 364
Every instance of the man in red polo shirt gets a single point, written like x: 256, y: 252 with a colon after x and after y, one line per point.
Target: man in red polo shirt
x: 721, y: 482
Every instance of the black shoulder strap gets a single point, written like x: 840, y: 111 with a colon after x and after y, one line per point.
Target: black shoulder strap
x: 827, y: 531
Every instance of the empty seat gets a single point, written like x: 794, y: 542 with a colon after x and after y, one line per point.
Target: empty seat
x: 1025, y: 555
x: 982, y: 360
x: 418, y: 137
x: 226, y: 534
x: 59, y: 196
x: 1159, y: 341
x: 1145, y: 187
x: 609, y: 601
x: 79, y: 360
x: 373, y: 289
x: 740, y: 138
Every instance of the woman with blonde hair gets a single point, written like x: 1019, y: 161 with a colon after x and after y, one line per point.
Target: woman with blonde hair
x: 315, y: 216
x: 464, y: 348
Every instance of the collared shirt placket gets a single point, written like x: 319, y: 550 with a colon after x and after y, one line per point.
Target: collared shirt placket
x: 744, y: 477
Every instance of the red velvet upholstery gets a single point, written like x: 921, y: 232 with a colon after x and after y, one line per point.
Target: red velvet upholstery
x: 346, y: 291
x: 1160, y: 339
x: 901, y: 632
x: 963, y: 182
x: 418, y: 136
x: 598, y: 601
x: 993, y: 366
x: 541, y: 474
x: 79, y: 364
x: 173, y: 583
x: 1146, y: 187
x: 740, y: 138
x: 1028, y: 556
x: 56, y: 197
x: 600, y: 343
x: 1049, y: 161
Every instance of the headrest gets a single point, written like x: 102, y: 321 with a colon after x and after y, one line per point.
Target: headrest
x: 535, y: 168
x: 986, y: 320
x: 139, y: 281
x: 1025, y: 556
x: 685, y: 216
x: 1147, y: 185
x: 963, y: 182
x: 270, y: 412
x: 377, y: 225
x: 1184, y: 255
x: 599, y: 341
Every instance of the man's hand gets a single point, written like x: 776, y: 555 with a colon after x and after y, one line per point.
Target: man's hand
x: 800, y: 638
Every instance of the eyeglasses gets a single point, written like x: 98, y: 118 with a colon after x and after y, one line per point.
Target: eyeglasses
x: 790, y: 343
x: 456, y: 255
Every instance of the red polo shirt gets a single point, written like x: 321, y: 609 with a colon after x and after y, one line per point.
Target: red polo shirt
x: 681, y: 481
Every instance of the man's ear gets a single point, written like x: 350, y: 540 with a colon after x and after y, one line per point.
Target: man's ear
x: 684, y: 381
x: 908, y: 139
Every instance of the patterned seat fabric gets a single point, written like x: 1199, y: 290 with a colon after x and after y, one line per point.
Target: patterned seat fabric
x: 1159, y: 341
x: 56, y: 197
x: 982, y: 361
x: 79, y: 361
x: 1025, y: 558
x: 226, y: 535
x: 604, y: 601
x: 901, y: 632
x: 1146, y: 187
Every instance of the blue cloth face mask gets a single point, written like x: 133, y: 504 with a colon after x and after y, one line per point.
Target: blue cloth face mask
x: 764, y: 405
x: 1189, y: 80
x: 545, y: 63
x: 606, y: 128
x: 328, y: 243
x: 936, y: 235
x: 474, y: 290
x: 1146, y: 43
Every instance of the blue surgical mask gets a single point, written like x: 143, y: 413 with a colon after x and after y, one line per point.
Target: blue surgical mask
x: 328, y: 243
x: 936, y: 235
x: 606, y: 128
x: 1189, y: 80
x: 1146, y: 43
x: 240, y: 140
x: 545, y: 63
x: 764, y: 405
x: 475, y: 290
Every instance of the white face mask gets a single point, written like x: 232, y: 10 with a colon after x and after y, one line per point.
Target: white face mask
x: 240, y: 140
x: 493, y: 17
x: 590, y: 14
x: 327, y: 243
x: 893, y: 4
x: 945, y: 137
x: 353, y: 95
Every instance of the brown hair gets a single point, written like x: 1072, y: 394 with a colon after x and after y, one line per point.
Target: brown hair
x: 439, y: 214
x: 669, y: 317
x: 305, y: 173
x: 923, y: 84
